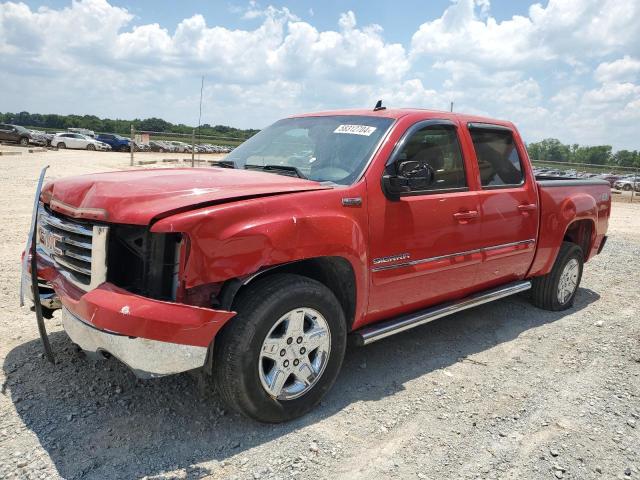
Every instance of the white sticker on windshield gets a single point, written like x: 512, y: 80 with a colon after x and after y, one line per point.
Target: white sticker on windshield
x: 365, y: 130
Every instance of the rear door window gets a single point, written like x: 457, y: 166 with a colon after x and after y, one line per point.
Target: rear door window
x: 497, y: 155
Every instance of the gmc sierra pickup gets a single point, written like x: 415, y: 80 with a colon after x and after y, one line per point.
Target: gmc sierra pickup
x: 322, y: 227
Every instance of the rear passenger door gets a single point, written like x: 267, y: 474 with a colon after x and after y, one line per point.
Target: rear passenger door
x: 508, y: 204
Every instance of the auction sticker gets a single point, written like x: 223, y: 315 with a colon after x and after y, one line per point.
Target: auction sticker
x: 365, y: 130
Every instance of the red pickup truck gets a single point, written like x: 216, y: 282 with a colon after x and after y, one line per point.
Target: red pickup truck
x: 322, y: 227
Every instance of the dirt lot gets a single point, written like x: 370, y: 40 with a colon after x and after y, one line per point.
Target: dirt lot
x: 502, y: 391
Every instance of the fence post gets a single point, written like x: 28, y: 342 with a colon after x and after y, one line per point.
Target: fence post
x: 193, y: 147
x: 133, y: 132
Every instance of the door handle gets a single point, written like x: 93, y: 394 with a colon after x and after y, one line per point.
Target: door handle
x: 462, y: 217
x: 529, y: 207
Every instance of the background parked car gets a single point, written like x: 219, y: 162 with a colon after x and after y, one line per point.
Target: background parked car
x: 628, y: 183
x: 15, y: 133
x: 41, y: 138
x: 612, y: 179
x: 181, y: 147
x: 76, y: 140
x: 141, y: 147
x: 161, y: 146
x: 117, y: 143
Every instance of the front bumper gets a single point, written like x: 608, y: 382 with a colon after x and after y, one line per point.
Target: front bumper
x: 147, y: 358
x: 153, y: 337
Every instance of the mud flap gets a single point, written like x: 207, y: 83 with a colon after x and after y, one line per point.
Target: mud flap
x: 30, y: 254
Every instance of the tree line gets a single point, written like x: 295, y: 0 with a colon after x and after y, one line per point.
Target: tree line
x: 123, y: 127
x: 551, y: 149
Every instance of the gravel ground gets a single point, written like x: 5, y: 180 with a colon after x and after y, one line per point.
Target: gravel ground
x: 502, y: 391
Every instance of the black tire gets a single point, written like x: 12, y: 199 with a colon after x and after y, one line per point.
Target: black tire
x: 238, y: 346
x: 61, y: 145
x: 125, y: 149
x: 91, y: 147
x: 626, y: 187
x: 161, y: 150
x: 24, y: 141
x: 545, y: 289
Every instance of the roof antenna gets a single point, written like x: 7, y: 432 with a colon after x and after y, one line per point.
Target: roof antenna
x: 379, y: 106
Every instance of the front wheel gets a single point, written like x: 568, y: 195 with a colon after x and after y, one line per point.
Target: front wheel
x: 24, y: 141
x: 557, y: 289
x: 278, y: 357
x: 61, y: 146
x: 91, y: 147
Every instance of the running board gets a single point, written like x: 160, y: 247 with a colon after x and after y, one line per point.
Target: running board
x: 387, y: 328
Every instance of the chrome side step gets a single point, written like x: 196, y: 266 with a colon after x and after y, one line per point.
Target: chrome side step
x: 387, y: 328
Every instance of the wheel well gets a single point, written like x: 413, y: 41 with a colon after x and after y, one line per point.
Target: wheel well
x: 336, y: 273
x: 581, y: 233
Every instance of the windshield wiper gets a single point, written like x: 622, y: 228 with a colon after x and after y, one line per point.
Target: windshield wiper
x: 287, y: 170
x: 224, y: 163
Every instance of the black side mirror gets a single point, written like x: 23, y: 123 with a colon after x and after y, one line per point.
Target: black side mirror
x: 410, y: 176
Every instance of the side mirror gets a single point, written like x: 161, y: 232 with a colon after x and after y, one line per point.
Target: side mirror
x: 411, y: 175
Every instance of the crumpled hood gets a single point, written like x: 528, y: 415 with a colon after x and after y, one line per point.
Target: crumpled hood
x: 138, y: 196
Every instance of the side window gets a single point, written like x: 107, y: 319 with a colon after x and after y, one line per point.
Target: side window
x: 432, y: 156
x: 497, y: 156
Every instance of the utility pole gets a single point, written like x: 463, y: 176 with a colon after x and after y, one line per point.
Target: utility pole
x: 133, y: 132
x: 200, y: 114
x: 451, y: 108
x: 193, y: 147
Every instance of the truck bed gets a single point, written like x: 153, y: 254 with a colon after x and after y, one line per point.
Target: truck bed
x: 563, y: 202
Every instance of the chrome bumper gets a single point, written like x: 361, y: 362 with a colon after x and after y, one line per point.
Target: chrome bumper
x: 147, y: 358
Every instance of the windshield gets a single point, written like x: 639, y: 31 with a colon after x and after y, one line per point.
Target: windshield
x: 325, y: 149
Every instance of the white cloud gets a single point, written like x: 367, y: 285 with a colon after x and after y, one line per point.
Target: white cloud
x: 561, y: 30
x: 623, y: 69
x: 564, y: 69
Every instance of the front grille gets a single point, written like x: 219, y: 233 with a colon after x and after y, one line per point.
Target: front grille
x: 77, y: 248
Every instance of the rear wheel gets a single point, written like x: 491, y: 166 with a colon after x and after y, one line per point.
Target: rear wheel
x: 557, y: 290
x: 282, y: 352
x: 626, y: 187
x: 61, y: 145
x: 24, y: 141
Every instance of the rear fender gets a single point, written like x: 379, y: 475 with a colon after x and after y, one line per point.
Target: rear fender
x: 555, y: 222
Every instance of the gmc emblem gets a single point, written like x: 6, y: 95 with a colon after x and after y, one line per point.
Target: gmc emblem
x: 49, y: 241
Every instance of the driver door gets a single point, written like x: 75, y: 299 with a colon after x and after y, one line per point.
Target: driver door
x: 425, y: 245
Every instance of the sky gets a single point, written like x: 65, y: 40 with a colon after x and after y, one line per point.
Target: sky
x: 567, y: 69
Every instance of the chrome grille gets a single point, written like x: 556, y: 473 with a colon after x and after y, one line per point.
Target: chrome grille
x: 77, y: 248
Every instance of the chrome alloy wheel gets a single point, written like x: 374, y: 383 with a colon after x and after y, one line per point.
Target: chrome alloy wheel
x: 294, y: 353
x: 568, y: 280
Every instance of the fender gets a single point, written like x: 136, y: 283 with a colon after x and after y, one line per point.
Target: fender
x: 239, y: 239
x: 558, y: 212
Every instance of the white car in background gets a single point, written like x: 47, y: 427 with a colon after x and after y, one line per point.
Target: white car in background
x: 77, y: 140
x: 181, y: 147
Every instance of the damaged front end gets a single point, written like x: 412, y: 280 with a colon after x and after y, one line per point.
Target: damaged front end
x: 118, y: 287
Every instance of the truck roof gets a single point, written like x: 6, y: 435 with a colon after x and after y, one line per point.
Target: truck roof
x: 417, y: 113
